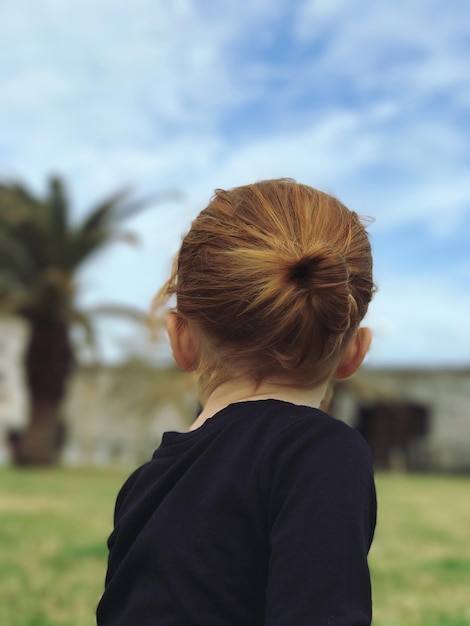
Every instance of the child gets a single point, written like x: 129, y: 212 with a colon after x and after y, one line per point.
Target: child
x: 264, y: 512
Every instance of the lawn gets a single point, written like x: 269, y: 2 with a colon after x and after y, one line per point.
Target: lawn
x: 53, y: 526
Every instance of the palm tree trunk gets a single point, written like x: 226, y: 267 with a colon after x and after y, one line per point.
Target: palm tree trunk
x: 41, y: 441
x: 48, y: 364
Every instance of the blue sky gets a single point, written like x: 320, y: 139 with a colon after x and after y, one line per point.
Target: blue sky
x: 368, y: 101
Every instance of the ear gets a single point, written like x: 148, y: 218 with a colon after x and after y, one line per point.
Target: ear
x: 182, y: 342
x: 354, y: 354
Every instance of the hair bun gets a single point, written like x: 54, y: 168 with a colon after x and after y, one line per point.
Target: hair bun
x: 323, y: 274
x: 320, y: 268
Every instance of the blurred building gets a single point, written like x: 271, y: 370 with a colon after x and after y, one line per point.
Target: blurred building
x: 117, y: 415
x: 413, y: 419
x: 13, y: 399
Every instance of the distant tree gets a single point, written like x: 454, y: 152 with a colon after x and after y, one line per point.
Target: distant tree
x: 41, y: 251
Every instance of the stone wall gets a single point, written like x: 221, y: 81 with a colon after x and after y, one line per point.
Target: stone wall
x: 443, y: 394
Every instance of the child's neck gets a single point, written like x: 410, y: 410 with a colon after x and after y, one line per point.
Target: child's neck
x: 245, y: 390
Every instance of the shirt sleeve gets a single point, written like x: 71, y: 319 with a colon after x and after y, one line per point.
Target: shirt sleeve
x: 321, y: 516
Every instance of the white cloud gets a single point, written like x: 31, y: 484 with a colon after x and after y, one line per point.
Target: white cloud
x: 420, y: 44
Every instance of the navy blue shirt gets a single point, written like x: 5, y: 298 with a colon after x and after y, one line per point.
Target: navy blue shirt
x: 262, y: 516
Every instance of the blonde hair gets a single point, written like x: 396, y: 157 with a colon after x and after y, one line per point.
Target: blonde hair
x: 276, y: 277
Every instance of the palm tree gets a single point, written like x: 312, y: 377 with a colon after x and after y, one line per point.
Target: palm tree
x: 41, y: 251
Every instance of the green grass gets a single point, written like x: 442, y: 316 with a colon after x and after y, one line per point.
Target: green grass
x: 53, y: 528
x: 54, y: 523
x: 420, y: 560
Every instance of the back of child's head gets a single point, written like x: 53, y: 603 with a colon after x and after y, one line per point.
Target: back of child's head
x: 274, y: 278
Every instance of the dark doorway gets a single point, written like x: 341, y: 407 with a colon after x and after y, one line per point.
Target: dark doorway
x: 394, y: 432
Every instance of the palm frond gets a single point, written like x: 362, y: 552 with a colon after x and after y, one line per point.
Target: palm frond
x: 83, y: 321
x: 28, y: 220
x: 103, y: 216
x: 58, y: 211
x: 121, y: 206
x: 101, y: 227
x: 15, y: 258
x: 120, y: 310
x: 131, y: 208
x: 17, y: 193
x: 14, y: 297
